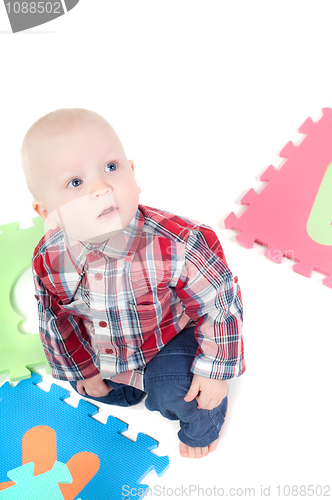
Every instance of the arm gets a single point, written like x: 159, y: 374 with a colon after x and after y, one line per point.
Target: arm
x: 66, y: 344
x: 212, y: 298
x: 64, y: 336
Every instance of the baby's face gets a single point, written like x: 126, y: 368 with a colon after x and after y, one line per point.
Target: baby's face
x: 88, y: 185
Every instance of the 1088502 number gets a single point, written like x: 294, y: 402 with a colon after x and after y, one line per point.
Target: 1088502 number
x: 33, y: 7
x: 304, y: 490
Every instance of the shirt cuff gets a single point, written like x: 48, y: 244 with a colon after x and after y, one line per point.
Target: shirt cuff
x: 206, y: 367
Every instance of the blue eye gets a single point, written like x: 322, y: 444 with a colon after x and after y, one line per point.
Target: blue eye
x: 110, y: 167
x: 75, y: 183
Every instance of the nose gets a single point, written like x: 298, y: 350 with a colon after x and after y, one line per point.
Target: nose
x: 99, y: 190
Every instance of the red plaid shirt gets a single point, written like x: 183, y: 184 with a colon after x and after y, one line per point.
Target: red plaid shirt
x: 109, y: 308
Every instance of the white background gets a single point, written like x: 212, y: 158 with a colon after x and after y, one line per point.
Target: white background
x: 203, y: 95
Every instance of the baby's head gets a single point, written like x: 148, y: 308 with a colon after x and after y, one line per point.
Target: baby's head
x: 79, y: 175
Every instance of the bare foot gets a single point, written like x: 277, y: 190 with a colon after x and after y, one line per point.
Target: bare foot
x: 187, y: 451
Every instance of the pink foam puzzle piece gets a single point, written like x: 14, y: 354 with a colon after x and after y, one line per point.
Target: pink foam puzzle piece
x: 278, y: 216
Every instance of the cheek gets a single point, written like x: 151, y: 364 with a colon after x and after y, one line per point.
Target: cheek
x: 76, y: 211
x: 134, y: 191
x: 133, y: 200
x: 127, y: 194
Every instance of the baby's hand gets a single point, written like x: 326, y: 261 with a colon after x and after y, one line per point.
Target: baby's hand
x: 94, y: 386
x: 212, y: 392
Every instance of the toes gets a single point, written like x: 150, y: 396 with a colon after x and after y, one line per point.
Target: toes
x: 187, y: 451
x: 183, y: 450
x: 197, y: 452
x: 212, y: 446
x: 192, y: 452
x: 205, y: 451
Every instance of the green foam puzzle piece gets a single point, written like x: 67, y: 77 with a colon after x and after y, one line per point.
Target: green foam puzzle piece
x: 18, y: 352
x: 320, y: 218
x: 29, y: 487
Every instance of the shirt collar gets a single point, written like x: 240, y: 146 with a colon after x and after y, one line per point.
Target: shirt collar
x: 122, y: 246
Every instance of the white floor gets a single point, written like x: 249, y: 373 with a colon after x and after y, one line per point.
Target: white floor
x: 203, y: 96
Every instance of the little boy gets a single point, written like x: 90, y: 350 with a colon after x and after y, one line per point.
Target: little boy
x: 132, y: 301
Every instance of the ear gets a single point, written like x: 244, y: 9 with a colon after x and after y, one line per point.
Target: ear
x: 41, y: 210
x: 131, y: 163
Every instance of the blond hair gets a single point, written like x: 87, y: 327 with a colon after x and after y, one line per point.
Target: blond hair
x: 55, y: 122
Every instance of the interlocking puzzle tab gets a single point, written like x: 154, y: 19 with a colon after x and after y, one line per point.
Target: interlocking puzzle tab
x: 122, y: 461
x: 17, y: 351
x: 293, y: 213
x: 39, y: 487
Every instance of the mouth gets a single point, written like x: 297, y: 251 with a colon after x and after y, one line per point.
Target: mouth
x: 107, y: 210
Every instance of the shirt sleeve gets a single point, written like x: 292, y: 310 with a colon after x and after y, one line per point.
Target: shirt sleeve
x: 64, y: 336
x: 211, y: 297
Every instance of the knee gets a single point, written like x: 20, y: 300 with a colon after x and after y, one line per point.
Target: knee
x: 168, y: 386
x: 167, y: 396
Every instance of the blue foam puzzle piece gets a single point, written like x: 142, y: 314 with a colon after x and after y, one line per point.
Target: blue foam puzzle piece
x: 122, y: 462
x: 38, y: 487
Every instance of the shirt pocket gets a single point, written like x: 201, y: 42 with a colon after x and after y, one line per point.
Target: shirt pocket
x: 150, y: 314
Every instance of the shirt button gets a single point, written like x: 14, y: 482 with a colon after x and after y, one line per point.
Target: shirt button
x: 109, y: 351
x: 102, y: 324
x: 98, y: 276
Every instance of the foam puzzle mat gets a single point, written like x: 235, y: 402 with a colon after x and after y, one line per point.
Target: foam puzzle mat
x: 51, y: 450
x: 292, y: 215
x: 18, y: 351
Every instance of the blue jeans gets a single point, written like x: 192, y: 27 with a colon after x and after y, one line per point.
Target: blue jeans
x: 167, y: 379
